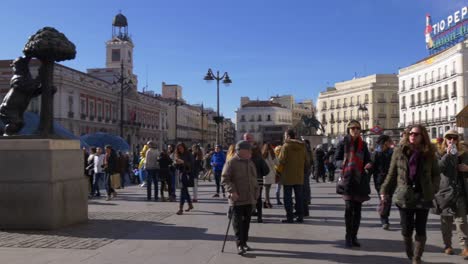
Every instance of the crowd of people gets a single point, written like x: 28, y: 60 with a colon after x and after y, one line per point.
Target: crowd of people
x: 416, y: 175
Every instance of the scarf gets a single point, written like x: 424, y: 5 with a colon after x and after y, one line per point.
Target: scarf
x: 354, y: 164
x: 413, y: 165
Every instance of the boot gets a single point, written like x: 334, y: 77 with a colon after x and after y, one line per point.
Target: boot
x: 181, y: 210
x: 409, y: 247
x: 464, y: 253
x: 419, y: 244
x: 190, y: 207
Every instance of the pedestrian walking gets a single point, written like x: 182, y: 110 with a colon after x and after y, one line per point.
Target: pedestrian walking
x: 172, y: 173
x: 277, y: 177
x: 183, y: 161
x: 330, y: 163
x: 141, y: 166
x: 262, y: 170
x: 319, y: 164
x: 239, y: 176
x: 353, y: 151
x: 381, y: 159
x: 152, y: 170
x: 197, y: 168
x: 292, y: 164
x: 217, y: 162
x: 98, y: 171
x: 90, y: 170
x: 414, y: 178
x: 110, y: 168
x: 164, y: 164
x: 452, y: 208
x: 269, y: 156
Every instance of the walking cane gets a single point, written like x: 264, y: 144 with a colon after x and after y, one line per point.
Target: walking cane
x: 227, y: 230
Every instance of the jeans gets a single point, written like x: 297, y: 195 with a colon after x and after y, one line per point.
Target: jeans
x: 96, y: 178
x: 298, y: 196
x: 184, y: 195
x: 413, y: 219
x: 142, y: 175
x: 259, y: 205
x: 107, y: 180
x: 122, y: 179
x: 172, y: 183
x: 460, y: 224
x: 217, y: 175
x: 278, y: 192
x: 241, y: 223
x: 152, y: 178
x: 352, y: 218
x: 306, y: 197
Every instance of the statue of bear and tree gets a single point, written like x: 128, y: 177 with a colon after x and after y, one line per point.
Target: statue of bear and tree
x: 48, y: 45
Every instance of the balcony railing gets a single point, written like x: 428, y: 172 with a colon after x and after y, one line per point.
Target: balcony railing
x: 338, y: 106
x: 412, y: 104
x: 332, y: 107
x: 403, y: 106
x: 452, y: 72
x: 381, y: 100
x: 324, y: 108
x: 454, y: 94
x: 445, y: 97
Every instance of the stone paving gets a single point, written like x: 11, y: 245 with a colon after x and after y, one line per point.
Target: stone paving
x: 130, y: 229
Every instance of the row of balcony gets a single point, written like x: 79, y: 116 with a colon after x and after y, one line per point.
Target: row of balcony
x: 433, y: 100
x: 430, y: 121
x: 253, y: 120
x: 430, y: 81
x: 113, y: 121
x: 380, y: 100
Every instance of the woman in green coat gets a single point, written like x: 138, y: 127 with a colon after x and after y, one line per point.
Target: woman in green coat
x: 413, y: 179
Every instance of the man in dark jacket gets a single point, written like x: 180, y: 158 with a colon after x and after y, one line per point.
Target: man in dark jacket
x: 110, y: 167
x: 319, y: 163
x: 381, y: 158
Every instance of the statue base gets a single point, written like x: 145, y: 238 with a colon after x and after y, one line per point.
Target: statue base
x: 42, y: 185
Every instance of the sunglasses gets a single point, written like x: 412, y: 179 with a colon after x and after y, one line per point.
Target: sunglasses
x: 414, y: 134
x: 451, y: 137
x: 353, y: 128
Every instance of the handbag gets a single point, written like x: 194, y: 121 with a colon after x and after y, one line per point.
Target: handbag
x: 446, y: 197
x: 340, y: 185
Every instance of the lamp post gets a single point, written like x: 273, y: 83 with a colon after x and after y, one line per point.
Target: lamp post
x: 226, y: 80
x: 203, y: 114
x: 125, y: 83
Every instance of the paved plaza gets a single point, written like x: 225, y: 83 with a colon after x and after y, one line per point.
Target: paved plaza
x: 129, y: 229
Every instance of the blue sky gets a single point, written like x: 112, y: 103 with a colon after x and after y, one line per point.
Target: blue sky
x: 268, y: 47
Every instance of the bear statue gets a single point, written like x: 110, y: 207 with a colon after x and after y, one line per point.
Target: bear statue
x: 23, y: 87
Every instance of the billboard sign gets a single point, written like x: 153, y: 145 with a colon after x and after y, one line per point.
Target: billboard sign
x: 446, y: 32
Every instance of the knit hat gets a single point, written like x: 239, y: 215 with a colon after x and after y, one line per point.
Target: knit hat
x: 242, y: 144
x: 451, y: 132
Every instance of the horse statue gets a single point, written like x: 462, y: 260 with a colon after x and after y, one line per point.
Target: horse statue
x: 312, y: 122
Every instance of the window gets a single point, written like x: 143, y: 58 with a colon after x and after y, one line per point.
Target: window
x: 432, y: 76
x: 332, y: 103
x: 70, y: 103
x: 115, y: 54
x: 438, y: 74
x: 425, y: 115
x: 432, y: 95
x: 344, y: 102
x: 99, y: 110
x: 445, y: 71
x: 454, y: 89
x: 351, y: 114
x: 419, y: 115
x: 426, y: 96
x: 440, y: 112
x: 453, y: 68
x: 366, y: 98
x: 425, y: 78
x: 403, y: 85
x: 412, y: 83
x: 359, y: 99
x: 412, y: 117
x: 91, y: 108
x: 344, y: 115
x: 412, y: 99
x: 83, y: 106
x: 419, y: 98
x: 351, y: 101
x: 107, y: 111
x: 446, y: 111
x: 419, y: 80
x: 404, y: 119
x: 259, y: 118
x: 455, y: 109
x: 269, y: 118
x: 439, y: 92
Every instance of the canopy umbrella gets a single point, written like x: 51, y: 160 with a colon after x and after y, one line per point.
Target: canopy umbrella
x: 462, y: 118
x: 31, y: 124
x: 101, y: 139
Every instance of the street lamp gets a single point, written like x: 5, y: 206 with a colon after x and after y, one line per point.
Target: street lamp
x: 125, y: 83
x: 226, y: 80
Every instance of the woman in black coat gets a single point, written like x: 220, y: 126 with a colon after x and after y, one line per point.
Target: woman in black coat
x: 183, y: 161
x: 354, y: 182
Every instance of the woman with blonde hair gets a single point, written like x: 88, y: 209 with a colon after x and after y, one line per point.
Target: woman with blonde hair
x: 452, y: 180
x: 269, y: 156
x: 231, y: 152
x: 277, y: 151
x: 413, y: 178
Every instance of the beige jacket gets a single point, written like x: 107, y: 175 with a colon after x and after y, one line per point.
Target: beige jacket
x: 240, y: 176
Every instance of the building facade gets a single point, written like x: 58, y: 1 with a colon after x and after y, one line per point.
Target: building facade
x: 298, y: 109
x: 372, y: 100
x: 433, y: 90
x: 252, y: 116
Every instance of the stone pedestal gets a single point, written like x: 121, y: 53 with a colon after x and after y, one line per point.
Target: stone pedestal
x: 42, y: 185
